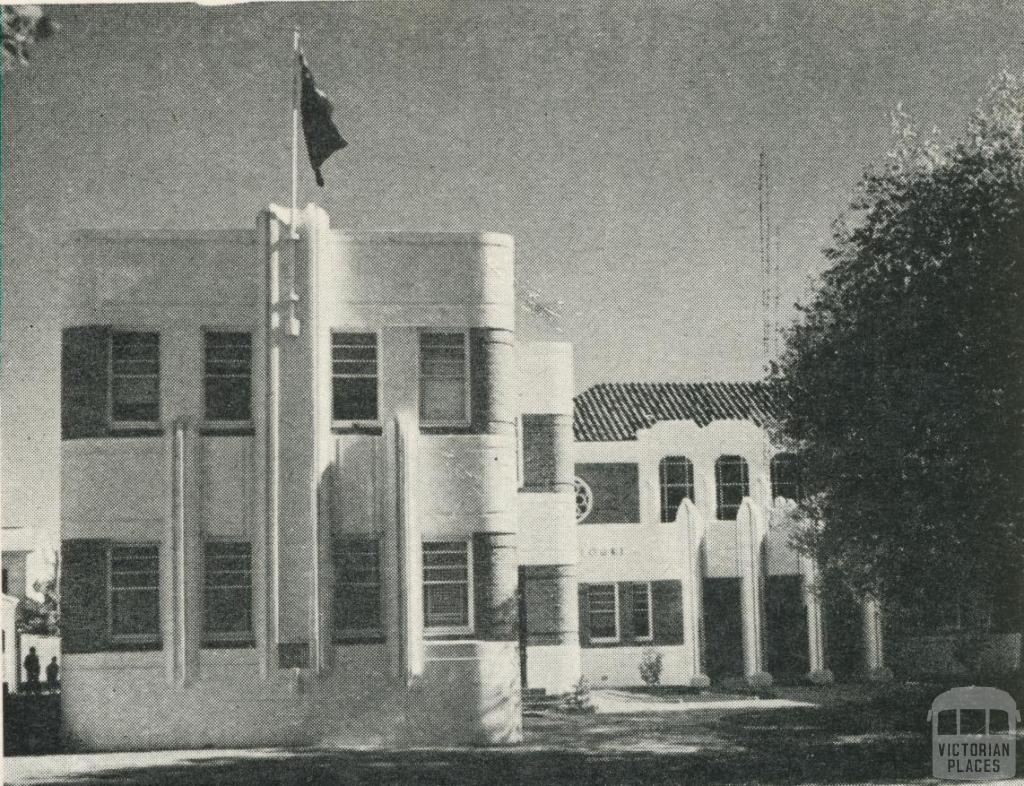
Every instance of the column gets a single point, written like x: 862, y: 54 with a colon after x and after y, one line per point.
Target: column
x: 297, y: 541
x: 409, y: 542
x: 495, y: 579
x: 548, y: 546
x: 689, y: 518
x: 172, y: 606
x: 495, y: 537
x: 817, y: 672
x: 750, y: 533
x: 874, y: 643
x: 266, y: 404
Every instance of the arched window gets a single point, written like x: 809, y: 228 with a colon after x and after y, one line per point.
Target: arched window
x: 785, y: 474
x: 676, y: 485
x: 732, y: 482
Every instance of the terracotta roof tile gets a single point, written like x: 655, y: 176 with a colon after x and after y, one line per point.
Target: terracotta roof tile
x: 615, y: 412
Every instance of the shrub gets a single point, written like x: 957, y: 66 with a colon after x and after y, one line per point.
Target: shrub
x: 650, y: 667
x: 579, y: 699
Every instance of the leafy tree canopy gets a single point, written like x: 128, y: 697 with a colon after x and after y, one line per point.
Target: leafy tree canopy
x: 42, y: 617
x: 902, y: 385
x: 23, y: 25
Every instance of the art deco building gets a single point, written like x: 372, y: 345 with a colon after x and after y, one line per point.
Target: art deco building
x: 301, y: 479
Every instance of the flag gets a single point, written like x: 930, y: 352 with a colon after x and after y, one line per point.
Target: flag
x: 322, y: 136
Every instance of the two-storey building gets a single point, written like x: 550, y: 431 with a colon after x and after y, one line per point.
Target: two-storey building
x: 294, y: 507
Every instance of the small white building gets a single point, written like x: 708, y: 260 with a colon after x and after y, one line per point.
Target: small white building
x: 21, y: 555
x: 684, y: 504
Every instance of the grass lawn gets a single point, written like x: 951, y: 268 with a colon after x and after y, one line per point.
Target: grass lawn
x: 849, y: 736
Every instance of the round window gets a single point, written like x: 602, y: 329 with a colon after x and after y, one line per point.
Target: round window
x: 584, y: 499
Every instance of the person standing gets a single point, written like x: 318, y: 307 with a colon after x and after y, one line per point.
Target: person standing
x: 52, y: 674
x: 32, y: 670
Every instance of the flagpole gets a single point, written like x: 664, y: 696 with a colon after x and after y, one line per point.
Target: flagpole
x: 295, y: 131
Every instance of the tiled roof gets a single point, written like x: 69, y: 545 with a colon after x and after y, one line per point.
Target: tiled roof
x: 614, y: 412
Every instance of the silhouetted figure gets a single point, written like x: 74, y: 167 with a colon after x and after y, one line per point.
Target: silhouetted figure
x: 32, y: 670
x: 52, y: 674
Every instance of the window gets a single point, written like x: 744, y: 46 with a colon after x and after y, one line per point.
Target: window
x: 732, y: 480
x: 947, y: 722
x: 443, y: 395
x: 603, y: 608
x: 228, y: 376
x: 584, y: 499
x: 5, y: 581
x: 676, y: 485
x: 135, y: 592
x: 998, y: 722
x: 446, y: 581
x: 357, y: 587
x: 785, y: 476
x: 972, y: 721
x: 134, y: 377
x: 228, y: 581
x: 354, y: 363
x: 608, y: 493
x: 642, y: 611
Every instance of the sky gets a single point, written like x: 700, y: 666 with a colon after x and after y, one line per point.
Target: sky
x: 618, y: 142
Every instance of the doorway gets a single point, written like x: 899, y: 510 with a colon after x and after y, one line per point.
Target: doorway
x: 723, y: 628
x: 786, y: 628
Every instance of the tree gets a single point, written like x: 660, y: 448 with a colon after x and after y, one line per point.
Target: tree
x: 23, y: 26
x: 902, y: 386
x: 42, y: 617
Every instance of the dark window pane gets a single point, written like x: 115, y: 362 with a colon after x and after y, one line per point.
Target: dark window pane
x: 676, y: 485
x: 135, y: 591
x: 446, y: 605
x: 355, y: 398
x: 732, y: 485
x: 228, y: 376
x: 998, y: 722
x: 228, y: 583
x: 135, y: 612
x: 446, y: 584
x: 135, y: 381
x: 228, y: 398
x: 602, y: 611
x: 641, y: 611
x: 357, y: 585
x: 354, y: 366
x: 972, y: 721
x: 442, y: 377
x: 947, y: 722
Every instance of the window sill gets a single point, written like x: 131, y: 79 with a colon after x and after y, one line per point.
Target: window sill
x: 229, y: 644
x: 241, y: 428
x: 128, y: 645
x: 370, y: 637
x: 357, y: 427
x: 441, y: 633
x: 445, y: 426
x: 118, y: 433
x: 135, y: 425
